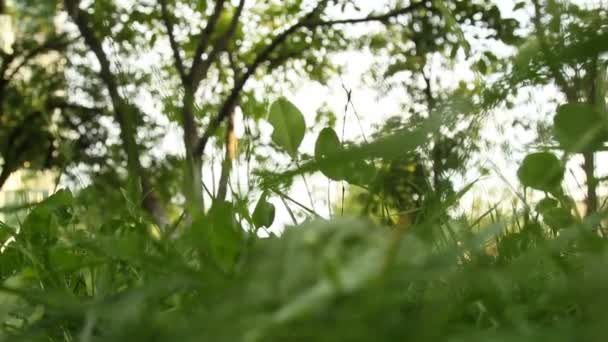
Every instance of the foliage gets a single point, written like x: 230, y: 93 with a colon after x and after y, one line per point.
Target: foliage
x: 147, y: 252
x: 117, y: 281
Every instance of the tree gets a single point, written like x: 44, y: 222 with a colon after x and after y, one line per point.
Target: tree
x: 565, y: 49
x: 217, y: 59
x: 41, y: 127
x: 413, y: 64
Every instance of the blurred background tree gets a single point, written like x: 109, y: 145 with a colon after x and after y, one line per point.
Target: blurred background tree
x: 442, y: 39
x: 128, y: 71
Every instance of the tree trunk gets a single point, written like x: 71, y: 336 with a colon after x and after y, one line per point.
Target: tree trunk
x: 230, y: 144
x: 193, y: 173
x: 589, y: 163
x: 591, y: 201
x: 125, y: 114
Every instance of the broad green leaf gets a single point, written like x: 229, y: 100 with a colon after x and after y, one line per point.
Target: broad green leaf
x: 289, y: 126
x: 328, y: 145
x: 387, y: 147
x: 541, y: 171
x: 558, y: 218
x: 223, y: 234
x: 578, y: 127
x: 546, y: 204
x: 263, y: 214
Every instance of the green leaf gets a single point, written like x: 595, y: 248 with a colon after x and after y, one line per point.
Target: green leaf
x: 263, y: 214
x: 224, y: 235
x: 546, y: 204
x: 42, y: 224
x: 328, y: 145
x: 519, y: 6
x: 360, y: 172
x: 482, y: 66
x: 289, y: 126
x: 388, y: 147
x: 558, y: 218
x: 63, y: 258
x: 578, y: 127
x: 542, y: 171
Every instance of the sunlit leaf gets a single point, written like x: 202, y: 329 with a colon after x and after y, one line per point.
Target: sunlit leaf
x: 289, y: 126
x: 263, y: 214
x: 328, y: 145
x: 541, y: 171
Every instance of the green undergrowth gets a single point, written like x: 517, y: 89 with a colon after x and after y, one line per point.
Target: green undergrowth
x: 347, y: 279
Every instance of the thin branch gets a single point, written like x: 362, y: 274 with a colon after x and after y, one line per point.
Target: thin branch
x: 179, y: 63
x: 205, y: 37
x: 201, y: 70
x: 53, y: 43
x: 263, y: 56
x: 285, y: 196
x: 228, y: 104
x: 17, y: 146
x: 82, y: 20
x: 6, y: 172
x: 370, y: 18
x: 63, y: 104
x: 6, y: 62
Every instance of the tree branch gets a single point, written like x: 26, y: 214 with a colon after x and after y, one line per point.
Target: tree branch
x: 205, y: 37
x: 82, y: 20
x: 6, y: 172
x: 370, y: 18
x: 6, y: 62
x: 58, y: 103
x: 305, y: 22
x: 7, y: 73
x: 179, y: 63
x: 16, y: 145
x: 124, y: 112
x: 54, y: 43
x: 202, y: 69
